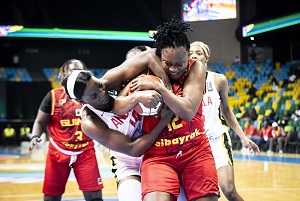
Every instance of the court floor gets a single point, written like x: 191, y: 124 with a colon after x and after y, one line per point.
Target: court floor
x: 258, y: 178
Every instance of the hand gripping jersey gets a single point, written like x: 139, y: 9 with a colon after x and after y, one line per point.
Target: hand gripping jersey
x: 129, y: 124
x: 180, y: 134
x: 64, y: 125
x: 214, y: 122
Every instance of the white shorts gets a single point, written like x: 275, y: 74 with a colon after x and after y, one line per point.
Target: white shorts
x: 222, y: 151
x: 124, y: 166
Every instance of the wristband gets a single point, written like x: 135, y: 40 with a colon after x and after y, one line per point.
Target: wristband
x: 34, y: 136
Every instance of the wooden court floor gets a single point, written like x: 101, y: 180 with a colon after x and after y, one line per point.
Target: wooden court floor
x: 258, y: 178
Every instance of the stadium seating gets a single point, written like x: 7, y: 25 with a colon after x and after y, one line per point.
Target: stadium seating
x: 15, y: 74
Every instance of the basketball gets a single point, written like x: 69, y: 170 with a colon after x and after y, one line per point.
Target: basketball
x: 147, y: 111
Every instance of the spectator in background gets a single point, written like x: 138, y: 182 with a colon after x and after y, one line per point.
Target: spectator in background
x: 253, y: 114
x: 9, y: 135
x: 252, y: 92
x: 236, y: 60
x: 251, y: 132
x: 285, y: 119
x: 25, y: 133
x: 296, y: 115
x: 278, y: 135
x: 265, y: 135
x: 274, y: 82
x: 272, y: 117
x: 246, y: 115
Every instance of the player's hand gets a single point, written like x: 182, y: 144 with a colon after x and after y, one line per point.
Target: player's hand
x: 34, y: 143
x: 144, y: 82
x: 166, y: 114
x: 253, y: 148
x: 149, y: 98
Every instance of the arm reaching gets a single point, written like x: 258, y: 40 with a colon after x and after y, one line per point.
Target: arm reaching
x: 184, y: 106
x: 96, y: 129
x: 229, y: 116
x: 133, y: 67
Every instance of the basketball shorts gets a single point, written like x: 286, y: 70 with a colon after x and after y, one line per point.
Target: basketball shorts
x: 124, y: 166
x: 222, y: 151
x: 57, y: 172
x: 194, y: 169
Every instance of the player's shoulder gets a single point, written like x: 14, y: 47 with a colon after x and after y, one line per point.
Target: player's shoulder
x: 219, y: 77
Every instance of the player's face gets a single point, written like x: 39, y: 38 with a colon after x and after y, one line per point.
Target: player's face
x: 196, y: 52
x: 174, y: 61
x: 96, y: 95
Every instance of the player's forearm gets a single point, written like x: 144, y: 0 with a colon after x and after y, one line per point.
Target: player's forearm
x: 144, y: 142
x: 123, y: 104
x: 38, y: 129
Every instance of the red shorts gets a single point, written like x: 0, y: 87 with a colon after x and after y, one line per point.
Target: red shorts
x: 57, y: 172
x: 194, y: 169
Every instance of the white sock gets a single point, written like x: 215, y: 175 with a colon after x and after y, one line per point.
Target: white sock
x: 130, y: 190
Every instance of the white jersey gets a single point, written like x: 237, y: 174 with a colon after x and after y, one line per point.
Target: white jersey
x: 214, y: 124
x: 129, y: 124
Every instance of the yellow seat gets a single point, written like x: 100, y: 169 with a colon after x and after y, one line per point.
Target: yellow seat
x: 267, y: 112
x: 260, y: 117
x: 287, y: 128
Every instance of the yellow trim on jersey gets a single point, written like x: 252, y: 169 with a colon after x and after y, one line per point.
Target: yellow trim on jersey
x: 230, y: 160
x: 52, y: 102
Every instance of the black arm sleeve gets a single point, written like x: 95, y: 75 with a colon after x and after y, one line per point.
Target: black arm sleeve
x: 46, y: 103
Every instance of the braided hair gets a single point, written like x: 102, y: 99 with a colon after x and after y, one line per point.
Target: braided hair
x: 171, y: 34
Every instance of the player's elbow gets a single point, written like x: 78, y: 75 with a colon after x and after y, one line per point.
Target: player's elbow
x: 188, y: 115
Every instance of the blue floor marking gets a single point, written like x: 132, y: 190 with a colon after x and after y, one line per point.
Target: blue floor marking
x: 266, y: 158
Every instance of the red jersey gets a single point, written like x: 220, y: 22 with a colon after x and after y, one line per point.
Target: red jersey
x: 64, y: 125
x: 250, y: 130
x: 266, y: 132
x: 179, y: 134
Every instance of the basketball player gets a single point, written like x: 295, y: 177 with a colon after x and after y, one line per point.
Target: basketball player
x: 69, y: 147
x: 181, y: 154
x: 215, y: 106
x: 119, y: 133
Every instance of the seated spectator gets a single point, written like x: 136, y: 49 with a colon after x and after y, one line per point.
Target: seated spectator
x: 25, y: 133
x: 252, y: 92
x: 265, y: 135
x: 296, y: 115
x: 246, y: 115
x: 278, y: 135
x: 274, y: 82
x: 253, y: 114
x: 251, y: 132
x: 292, y: 76
x: 273, y: 117
x: 285, y: 119
x: 9, y: 135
